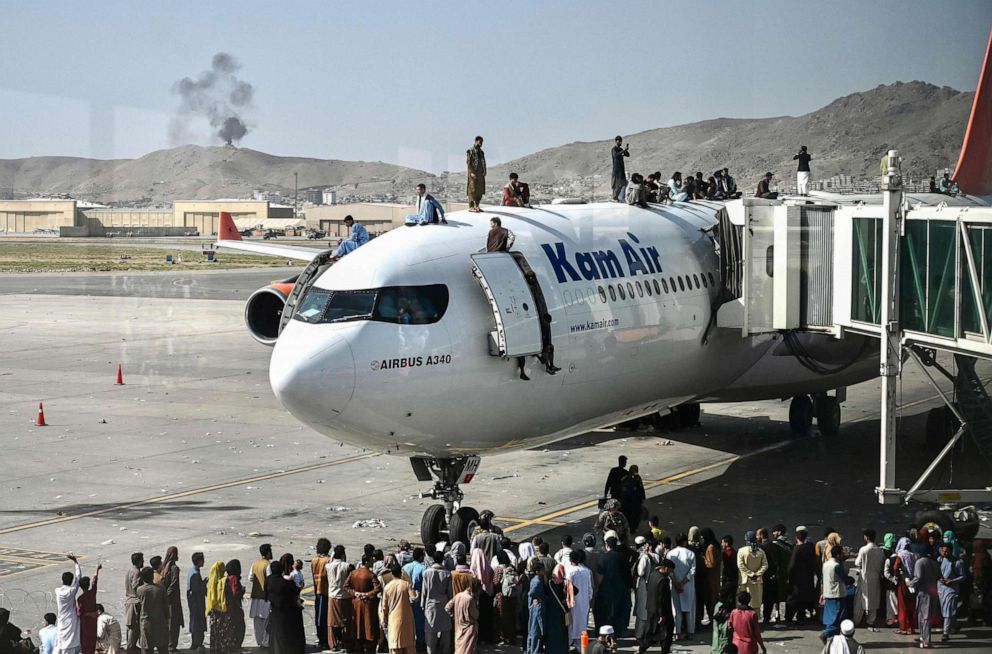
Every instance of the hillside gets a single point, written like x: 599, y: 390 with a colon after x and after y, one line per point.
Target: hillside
x: 193, y: 172
x: 848, y: 136
x: 925, y: 122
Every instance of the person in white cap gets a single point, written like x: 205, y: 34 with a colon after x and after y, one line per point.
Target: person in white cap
x: 605, y: 643
x: 844, y: 642
x: 646, y: 562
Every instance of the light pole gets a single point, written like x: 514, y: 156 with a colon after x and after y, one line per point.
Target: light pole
x: 296, y: 193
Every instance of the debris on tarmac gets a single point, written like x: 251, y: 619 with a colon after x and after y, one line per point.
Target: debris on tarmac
x: 374, y: 523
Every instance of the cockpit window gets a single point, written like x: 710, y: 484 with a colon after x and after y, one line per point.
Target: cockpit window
x: 405, y: 305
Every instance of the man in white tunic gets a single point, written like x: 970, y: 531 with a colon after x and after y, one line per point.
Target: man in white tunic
x: 66, y: 618
x: 870, y: 561
x: 684, y: 587
x: 581, y: 578
x: 647, y: 561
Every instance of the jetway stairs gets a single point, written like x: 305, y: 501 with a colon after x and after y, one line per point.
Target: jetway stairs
x: 914, y: 272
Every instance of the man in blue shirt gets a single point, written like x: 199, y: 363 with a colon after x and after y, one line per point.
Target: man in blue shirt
x: 48, y: 635
x: 429, y: 210
x: 358, y: 237
x: 413, y: 572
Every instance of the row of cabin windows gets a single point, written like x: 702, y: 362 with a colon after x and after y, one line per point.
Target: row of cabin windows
x: 654, y: 287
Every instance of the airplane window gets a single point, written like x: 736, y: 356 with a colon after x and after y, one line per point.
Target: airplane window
x: 630, y: 290
x: 647, y: 286
x: 567, y: 297
x: 712, y: 281
x: 602, y: 294
x: 657, y: 288
x: 703, y: 277
x: 413, y: 305
x: 613, y: 294
x: 695, y: 278
x: 591, y: 294
x: 665, y: 285
x: 312, y: 305
x: 346, y: 305
x: 681, y: 283
x: 671, y: 282
x: 623, y: 296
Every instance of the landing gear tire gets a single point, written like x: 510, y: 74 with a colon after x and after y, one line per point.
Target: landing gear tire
x: 941, y: 425
x: 461, y: 523
x: 801, y: 415
x: 828, y: 415
x: 687, y: 415
x: 432, y: 525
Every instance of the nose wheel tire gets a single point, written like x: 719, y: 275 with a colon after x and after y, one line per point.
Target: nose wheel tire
x: 801, y: 415
x: 432, y: 526
x: 461, y: 524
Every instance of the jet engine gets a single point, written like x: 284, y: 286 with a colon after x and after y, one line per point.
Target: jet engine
x: 263, y: 311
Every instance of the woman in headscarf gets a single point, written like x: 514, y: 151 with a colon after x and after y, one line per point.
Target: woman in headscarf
x: 227, y: 616
x: 484, y: 573
x: 902, y: 572
x: 525, y: 551
x: 950, y: 538
x: 555, y: 610
x: 505, y: 581
x: 708, y: 566
x: 752, y: 564
x: 833, y: 538
x: 286, y: 634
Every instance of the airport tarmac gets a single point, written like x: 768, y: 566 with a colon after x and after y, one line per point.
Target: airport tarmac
x: 194, y: 451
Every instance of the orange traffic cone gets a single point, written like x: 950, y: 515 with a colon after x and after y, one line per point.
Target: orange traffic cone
x: 40, y: 422
x: 120, y: 376
x: 585, y: 641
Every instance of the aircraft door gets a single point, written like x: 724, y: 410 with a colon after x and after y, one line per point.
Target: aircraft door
x: 510, y: 294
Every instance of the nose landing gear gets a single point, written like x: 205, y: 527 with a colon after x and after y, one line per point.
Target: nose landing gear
x: 450, y: 520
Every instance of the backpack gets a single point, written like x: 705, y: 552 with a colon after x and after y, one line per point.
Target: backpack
x: 510, y: 580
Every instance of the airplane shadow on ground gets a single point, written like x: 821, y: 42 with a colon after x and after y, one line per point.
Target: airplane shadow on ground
x: 813, y: 481
x: 125, y: 511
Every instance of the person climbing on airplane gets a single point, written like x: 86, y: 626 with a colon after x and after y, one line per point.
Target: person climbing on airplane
x: 358, y: 237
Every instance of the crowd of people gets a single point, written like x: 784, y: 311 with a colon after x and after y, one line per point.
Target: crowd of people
x: 452, y: 597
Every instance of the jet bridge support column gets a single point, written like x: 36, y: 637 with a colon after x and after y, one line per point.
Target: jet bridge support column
x: 891, y: 346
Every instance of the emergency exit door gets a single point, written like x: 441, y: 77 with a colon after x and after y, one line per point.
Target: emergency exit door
x: 518, y: 323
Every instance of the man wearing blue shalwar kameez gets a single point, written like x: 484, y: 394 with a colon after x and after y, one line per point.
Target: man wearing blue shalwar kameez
x: 413, y: 572
x: 429, y: 210
x: 358, y: 237
x: 949, y: 587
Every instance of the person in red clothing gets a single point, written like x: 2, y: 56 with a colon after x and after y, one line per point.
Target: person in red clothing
x: 516, y: 193
x: 744, y: 622
x: 86, y: 607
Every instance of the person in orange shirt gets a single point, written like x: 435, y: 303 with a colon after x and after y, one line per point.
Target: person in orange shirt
x: 318, y: 568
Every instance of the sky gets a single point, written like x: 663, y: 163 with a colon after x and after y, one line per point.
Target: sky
x: 413, y: 83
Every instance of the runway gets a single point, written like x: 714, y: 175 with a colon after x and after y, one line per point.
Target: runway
x: 195, y: 451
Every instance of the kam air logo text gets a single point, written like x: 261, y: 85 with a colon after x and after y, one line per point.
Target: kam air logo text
x: 603, y: 264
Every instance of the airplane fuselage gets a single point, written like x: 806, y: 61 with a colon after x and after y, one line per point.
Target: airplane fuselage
x: 630, y: 292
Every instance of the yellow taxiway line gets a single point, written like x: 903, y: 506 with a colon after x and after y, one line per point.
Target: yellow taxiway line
x: 186, y: 493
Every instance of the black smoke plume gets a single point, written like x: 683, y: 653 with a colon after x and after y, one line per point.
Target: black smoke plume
x: 216, y: 94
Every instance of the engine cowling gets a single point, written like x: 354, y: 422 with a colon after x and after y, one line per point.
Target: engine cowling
x: 263, y: 311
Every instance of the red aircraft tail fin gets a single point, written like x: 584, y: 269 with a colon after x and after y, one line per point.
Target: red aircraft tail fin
x: 973, y: 172
x: 227, y: 230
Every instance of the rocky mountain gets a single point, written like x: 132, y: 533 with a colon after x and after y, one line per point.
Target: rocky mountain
x: 925, y: 122
x: 193, y: 172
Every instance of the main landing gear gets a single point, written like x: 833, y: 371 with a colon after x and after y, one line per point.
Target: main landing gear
x: 825, y: 408
x: 448, y: 521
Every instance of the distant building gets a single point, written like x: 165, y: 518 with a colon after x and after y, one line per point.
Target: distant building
x: 329, y: 197
x: 266, y: 196
x: 313, y: 196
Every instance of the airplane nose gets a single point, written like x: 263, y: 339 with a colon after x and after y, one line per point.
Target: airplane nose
x: 312, y: 372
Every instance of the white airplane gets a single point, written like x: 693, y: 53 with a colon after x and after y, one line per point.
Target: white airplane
x: 411, y: 343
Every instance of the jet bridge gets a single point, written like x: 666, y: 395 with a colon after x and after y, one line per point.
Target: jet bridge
x: 914, y: 272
